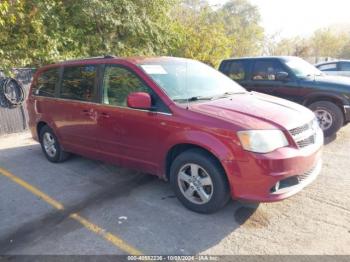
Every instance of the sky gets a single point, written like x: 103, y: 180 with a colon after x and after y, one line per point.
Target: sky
x: 300, y: 17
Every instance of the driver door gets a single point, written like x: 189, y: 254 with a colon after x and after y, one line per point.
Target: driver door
x: 264, y: 80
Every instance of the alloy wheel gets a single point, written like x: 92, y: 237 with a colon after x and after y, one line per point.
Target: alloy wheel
x: 324, y: 118
x: 195, y: 183
x: 49, y: 144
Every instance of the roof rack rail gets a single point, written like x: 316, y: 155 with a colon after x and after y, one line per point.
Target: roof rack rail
x: 89, y: 58
x: 110, y: 56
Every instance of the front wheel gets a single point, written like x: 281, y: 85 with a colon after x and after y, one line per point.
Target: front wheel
x: 329, y: 116
x: 199, y: 182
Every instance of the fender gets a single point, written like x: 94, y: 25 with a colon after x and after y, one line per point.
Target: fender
x: 44, y: 118
x: 207, y: 141
x: 324, y: 95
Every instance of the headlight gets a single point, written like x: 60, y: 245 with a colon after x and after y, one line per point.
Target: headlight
x: 262, y: 141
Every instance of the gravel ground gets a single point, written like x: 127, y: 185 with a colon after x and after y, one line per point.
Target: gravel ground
x: 142, y: 210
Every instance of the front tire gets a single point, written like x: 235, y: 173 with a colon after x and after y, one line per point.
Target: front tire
x: 329, y: 116
x: 199, y: 181
x: 51, y: 146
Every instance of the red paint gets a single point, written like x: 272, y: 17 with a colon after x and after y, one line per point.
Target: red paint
x: 140, y: 100
x: 141, y: 139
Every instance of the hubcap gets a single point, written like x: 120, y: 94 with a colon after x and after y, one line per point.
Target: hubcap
x: 49, y: 144
x: 195, y: 183
x: 324, y: 118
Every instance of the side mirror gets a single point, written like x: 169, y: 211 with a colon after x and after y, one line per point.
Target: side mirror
x: 281, y: 76
x: 139, y: 100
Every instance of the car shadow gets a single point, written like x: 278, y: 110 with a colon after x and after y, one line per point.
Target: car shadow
x: 156, y: 221
x: 330, y: 139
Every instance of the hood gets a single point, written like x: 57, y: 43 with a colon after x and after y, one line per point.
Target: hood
x: 254, y: 110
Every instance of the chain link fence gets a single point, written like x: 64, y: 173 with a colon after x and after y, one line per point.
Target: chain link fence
x: 15, y: 120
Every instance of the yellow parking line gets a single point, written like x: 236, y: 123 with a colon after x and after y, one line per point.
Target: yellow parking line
x: 113, y: 239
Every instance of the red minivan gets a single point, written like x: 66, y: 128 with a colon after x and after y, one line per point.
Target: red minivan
x: 178, y: 119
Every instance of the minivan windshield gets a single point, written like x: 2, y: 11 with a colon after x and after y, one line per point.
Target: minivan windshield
x: 186, y: 80
x: 301, y: 68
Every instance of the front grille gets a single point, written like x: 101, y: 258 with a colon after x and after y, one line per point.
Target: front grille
x: 304, y: 135
x: 288, y: 182
x: 300, y: 129
x: 306, y: 142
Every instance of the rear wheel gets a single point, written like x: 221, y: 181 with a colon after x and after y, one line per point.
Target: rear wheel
x: 51, y: 147
x: 199, y: 182
x: 329, y: 116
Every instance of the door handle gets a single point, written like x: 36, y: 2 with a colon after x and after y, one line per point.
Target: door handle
x: 105, y: 115
x: 87, y: 112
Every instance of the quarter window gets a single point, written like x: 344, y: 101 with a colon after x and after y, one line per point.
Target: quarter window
x: 78, y: 83
x: 235, y: 70
x: 266, y: 70
x: 118, y: 83
x: 328, y: 67
x: 46, y: 83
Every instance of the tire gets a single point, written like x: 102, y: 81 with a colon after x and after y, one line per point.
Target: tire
x: 327, y: 111
x: 51, y: 146
x: 215, y: 191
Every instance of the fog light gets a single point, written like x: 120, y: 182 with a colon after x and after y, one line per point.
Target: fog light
x: 277, y: 186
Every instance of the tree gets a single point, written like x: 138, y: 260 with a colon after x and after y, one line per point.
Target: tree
x: 241, y: 23
x: 325, y: 43
x: 198, y: 35
x: 345, y: 52
x: 38, y: 32
x: 211, y: 35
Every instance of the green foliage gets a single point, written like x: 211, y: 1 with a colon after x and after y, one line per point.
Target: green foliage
x: 37, y: 32
x: 210, y: 35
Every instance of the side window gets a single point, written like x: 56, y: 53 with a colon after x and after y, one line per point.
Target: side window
x: 46, y: 83
x: 235, y: 70
x: 328, y: 67
x: 78, y: 83
x: 266, y: 70
x: 118, y: 83
x: 345, y: 66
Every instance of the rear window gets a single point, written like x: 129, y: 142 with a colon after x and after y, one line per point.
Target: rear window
x: 78, y: 83
x: 46, y: 83
x: 235, y: 70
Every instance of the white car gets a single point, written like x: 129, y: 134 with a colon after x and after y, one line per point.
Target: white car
x: 336, y: 68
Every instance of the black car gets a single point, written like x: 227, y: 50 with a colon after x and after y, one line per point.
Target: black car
x: 295, y: 79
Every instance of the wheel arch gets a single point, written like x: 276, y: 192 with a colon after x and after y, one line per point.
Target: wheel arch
x: 39, y: 126
x: 178, y: 149
x: 337, y: 100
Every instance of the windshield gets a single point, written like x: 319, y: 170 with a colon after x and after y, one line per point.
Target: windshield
x: 301, y: 68
x: 188, y: 80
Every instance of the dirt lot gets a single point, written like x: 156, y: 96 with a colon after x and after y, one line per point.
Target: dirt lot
x: 86, y: 207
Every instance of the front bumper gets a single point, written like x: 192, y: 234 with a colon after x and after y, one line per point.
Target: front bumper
x: 293, y: 169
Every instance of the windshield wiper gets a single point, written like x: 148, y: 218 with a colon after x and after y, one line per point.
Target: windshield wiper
x: 226, y: 94
x: 194, y: 98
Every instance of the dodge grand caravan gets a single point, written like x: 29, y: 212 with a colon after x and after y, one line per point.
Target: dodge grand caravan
x: 178, y: 119
x: 294, y: 79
